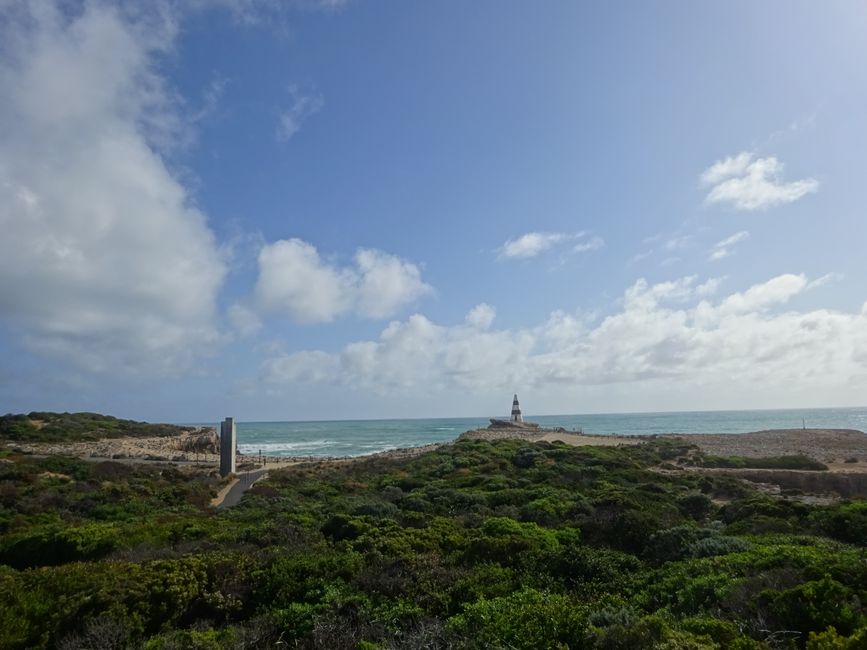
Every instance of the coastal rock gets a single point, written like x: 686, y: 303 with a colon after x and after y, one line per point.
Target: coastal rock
x: 196, y: 445
x: 203, y: 442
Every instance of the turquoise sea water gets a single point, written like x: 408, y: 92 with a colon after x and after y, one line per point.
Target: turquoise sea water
x: 360, y: 437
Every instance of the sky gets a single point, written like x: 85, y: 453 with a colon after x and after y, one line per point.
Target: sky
x: 344, y: 209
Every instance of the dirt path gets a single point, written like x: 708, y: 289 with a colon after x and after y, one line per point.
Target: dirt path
x: 231, y: 494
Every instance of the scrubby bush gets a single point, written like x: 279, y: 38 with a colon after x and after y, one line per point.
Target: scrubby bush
x: 465, y: 546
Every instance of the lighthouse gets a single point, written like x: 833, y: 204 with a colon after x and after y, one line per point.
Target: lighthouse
x: 516, y: 411
x: 515, y: 421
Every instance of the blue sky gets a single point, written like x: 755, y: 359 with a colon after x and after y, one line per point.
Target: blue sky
x: 363, y: 209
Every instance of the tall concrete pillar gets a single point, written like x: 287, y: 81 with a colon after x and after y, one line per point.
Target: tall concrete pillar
x: 228, y: 444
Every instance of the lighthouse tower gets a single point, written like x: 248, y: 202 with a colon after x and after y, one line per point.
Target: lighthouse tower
x: 516, y: 411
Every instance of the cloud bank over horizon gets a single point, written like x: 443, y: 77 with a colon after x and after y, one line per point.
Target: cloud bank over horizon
x: 673, y: 332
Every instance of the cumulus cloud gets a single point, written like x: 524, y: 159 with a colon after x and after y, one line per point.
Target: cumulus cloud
x: 722, y: 249
x: 302, y: 107
x: 671, y: 331
x: 245, y: 321
x: 532, y: 244
x: 295, y: 280
x: 750, y: 183
x: 481, y: 316
x: 104, y: 259
x: 385, y: 283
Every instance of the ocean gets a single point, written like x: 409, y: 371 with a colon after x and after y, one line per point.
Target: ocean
x: 360, y: 437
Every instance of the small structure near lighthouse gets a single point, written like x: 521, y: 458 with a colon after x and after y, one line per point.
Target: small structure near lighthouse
x: 515, y: 421
x: 228, y: 446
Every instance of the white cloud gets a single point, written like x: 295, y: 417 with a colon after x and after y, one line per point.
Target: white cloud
x: 669, y: 244
x: 759, y: 297
x: 709, y: 287
x: 828, y: 278
x: 726, y: 168
x: 211, y: 98
x: 668, y: 332
x: 750, y: 183
x: 386, y: 283
x: 677, y: 242
x: 295, y: 280
x: 640, y: 257
x: 263, y: 12
x: 481, y: 316
x: 592, y: 244
x: 532, y: 244
x: 245, y: 321
x: 722, y: 249
x: 303, y: 106
x: 104, y: 260
x: 301, y: 368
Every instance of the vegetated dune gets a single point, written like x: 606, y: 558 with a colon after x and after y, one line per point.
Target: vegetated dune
x: 39, y: 426
x: 843, y: 450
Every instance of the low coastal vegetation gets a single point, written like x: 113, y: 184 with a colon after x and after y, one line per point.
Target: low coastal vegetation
x: 479, y: 544
x: 68, y: 427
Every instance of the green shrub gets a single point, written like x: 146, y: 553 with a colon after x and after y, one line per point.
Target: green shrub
x: 831, y: 640
x: 529, y: 619
x: 846, y: 522
x: 815, y: 605
x: 695, y: 505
